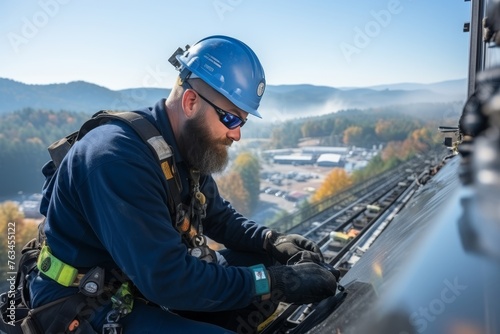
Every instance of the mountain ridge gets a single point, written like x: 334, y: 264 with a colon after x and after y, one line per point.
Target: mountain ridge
x: 280, y: 101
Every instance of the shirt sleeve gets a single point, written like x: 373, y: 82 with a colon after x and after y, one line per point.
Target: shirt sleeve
x: 227, y: 226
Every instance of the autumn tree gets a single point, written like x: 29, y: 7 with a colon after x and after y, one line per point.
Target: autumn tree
x: 422, y: 138
x: 353, y: 135
x: 248, y: 167
x: 9, y: 213
x: 14, y: 233
x: 232, y: 189
x: 336, y: 181
x: 395, y: 129
x: 418, y: 141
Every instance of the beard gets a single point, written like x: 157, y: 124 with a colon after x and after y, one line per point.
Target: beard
x: 200, y: 149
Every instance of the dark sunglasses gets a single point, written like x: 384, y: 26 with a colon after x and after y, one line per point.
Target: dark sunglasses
x: 231, y: 121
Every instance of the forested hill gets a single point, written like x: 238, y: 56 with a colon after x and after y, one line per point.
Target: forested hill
x: 26, y: 134
x: 279, y: 102
x: 24, y: 138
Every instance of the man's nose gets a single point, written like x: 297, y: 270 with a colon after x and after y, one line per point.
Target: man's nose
x: 234, y: 134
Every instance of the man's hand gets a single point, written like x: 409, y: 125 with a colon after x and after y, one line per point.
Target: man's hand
x: 284, y: 247
x: 302, y: 283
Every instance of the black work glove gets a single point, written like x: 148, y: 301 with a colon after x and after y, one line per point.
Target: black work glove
x: 282, y: 247
x: 302, y: 283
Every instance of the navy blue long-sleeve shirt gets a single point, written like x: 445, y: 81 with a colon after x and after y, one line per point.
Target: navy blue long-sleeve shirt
x: 106, y: 206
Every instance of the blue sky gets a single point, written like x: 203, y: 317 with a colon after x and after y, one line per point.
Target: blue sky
x: 125, y: 44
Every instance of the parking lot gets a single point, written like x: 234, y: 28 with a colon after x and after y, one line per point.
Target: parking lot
x: 283, y: 186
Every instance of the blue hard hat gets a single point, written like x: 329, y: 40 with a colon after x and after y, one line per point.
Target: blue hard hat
x: 229, y: 66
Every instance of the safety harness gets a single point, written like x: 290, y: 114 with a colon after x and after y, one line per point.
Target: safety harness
x: 186, y: 218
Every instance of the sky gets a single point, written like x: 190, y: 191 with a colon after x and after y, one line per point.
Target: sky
x: 126, y: 44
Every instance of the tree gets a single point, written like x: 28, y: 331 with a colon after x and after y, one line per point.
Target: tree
x: 375, y: 166
x: 341, y: 124
x: 394, y: 129
x: 422, y: 139
x: 286, y: 135
x: 24, y: 138
x: 353, y: 135
x: 14, y: 234
x: 9, y: 212
x: 418, y: 141
x: 232, y: 189
x: 336, y: 181
x: 248, y: 167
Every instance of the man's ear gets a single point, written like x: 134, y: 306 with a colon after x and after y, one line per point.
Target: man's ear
x: 190, y: 103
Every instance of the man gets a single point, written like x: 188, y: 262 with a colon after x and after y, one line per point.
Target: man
x: 109, y: 205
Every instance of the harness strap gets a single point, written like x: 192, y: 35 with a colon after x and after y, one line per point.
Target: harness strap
x: 28, y: 262
x: 59, y: 148
x: 56, y: 269
x: 148, y: 133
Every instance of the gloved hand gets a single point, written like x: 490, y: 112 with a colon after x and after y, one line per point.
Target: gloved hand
x: 302, y: 283
x: 283, y: 247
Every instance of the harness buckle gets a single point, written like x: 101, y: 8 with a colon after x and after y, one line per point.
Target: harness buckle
x: 203, y: 253
x: 112, y: 328
x: 92, y: 284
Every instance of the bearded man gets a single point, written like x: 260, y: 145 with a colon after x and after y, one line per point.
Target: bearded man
x: 109, y: 205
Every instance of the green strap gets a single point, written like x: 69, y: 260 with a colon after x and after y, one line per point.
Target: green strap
x: 54, y: 268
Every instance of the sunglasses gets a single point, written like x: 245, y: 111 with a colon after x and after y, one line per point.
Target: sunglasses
x: 231, y: 121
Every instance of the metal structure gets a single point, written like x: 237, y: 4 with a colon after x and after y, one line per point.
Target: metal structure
x: 426, y: 257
